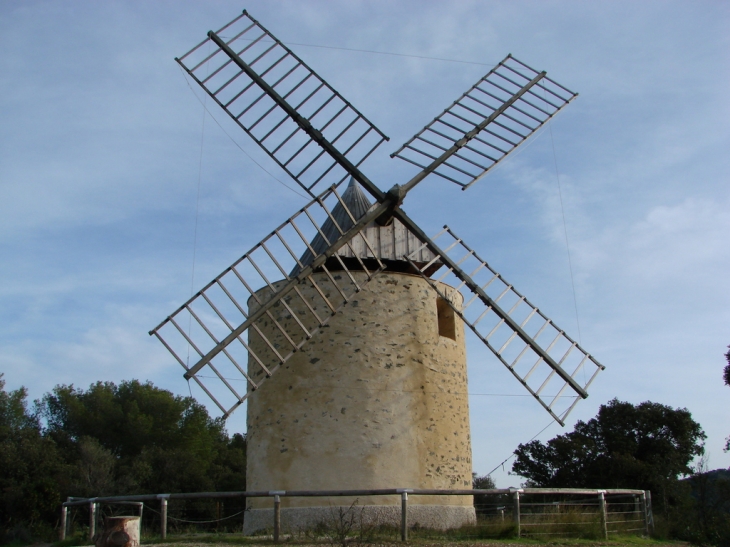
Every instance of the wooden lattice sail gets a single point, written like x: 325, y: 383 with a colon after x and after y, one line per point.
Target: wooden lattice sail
x: 319, y: 138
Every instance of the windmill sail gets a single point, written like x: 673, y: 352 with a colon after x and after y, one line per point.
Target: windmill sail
x: 320, y: 139
x: 553, y: 367
x: 485, y: 124
x: 307, y: 127
x: 216, y: 321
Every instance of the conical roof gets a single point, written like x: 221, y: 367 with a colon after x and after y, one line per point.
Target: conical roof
x: 389, y: 243
x: 358, y: 204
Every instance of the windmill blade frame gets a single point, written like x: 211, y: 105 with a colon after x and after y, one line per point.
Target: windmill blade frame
x: 509, y: 324
x: 295, y: 116
x: 319, y: 138
x: 486, y: 123
x: 216, y: 316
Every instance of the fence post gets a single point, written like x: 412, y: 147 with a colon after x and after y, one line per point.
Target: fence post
x: 69, y: 518
x: 277, y: 517
x: 141, y: 510
x: 516, y: 510
x: 64, y: 520
x: 163, y: 517
x: 602, y: 504
x: 649, y: 513
x: 404, y: 516
x: 92, y: 520
x: 243, y: 515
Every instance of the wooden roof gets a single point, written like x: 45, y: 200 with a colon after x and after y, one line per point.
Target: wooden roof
x: 388, y: 243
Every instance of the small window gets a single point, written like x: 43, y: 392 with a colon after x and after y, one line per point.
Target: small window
x: 446, y: 320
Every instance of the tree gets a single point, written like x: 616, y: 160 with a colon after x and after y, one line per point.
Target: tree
x: 647, y: 446
x: 130, y: 417
x: 483, y: 504
x: 109, y: 440
x: 139, y: 438
x: 94, y: 470
x: 483, y: 482
x: 707, y: 520
x: 29, y: 470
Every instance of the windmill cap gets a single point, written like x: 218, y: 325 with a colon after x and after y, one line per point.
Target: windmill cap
x: 389, y: 243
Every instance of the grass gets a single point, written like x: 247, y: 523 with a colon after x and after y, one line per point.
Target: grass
x: 627, y: 541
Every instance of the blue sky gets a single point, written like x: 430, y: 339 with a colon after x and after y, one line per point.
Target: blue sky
x: 100, y: 165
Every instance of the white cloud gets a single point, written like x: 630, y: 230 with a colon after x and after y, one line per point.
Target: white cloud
x: 673, y: 248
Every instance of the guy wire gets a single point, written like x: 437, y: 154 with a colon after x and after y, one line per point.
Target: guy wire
x: 565, y: 231
x: 236, y: 143
x: 513, y: 453
x: 195, y: 230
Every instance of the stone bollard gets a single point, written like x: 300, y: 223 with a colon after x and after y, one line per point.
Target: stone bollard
x: 119, y: 532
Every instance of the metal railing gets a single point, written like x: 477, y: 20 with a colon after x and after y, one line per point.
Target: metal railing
x: 533, y: 511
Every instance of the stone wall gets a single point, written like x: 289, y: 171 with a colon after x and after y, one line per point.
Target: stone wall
x: 377, y: 399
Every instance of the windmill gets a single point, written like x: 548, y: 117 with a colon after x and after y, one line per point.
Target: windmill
x: 350, y: 314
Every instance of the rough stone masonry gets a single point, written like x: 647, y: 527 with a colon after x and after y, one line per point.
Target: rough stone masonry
x: 378, y: 399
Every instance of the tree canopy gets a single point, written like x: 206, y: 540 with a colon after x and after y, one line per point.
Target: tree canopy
x: 130, y: 417
x: 107, y: 440
x: 29, y: 466
x: 644, y: 446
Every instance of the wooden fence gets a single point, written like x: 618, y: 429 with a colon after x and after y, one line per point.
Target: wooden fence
x: 528, y: 511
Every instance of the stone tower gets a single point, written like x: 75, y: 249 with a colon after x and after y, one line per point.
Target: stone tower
x: 377, y: 400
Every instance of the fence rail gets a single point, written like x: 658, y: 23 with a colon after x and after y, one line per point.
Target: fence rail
x: 567, y: 511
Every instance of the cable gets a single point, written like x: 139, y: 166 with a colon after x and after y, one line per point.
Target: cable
x: 204, y: 521
x: 236, y: 143
x: 363, y: 388
x: 372, y: 51
x: 197, y: 203
x: 393, y: 54
x: 565, y: 231
x: 195, y: 231
x: 195, y: 521
x: 513, y: 454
